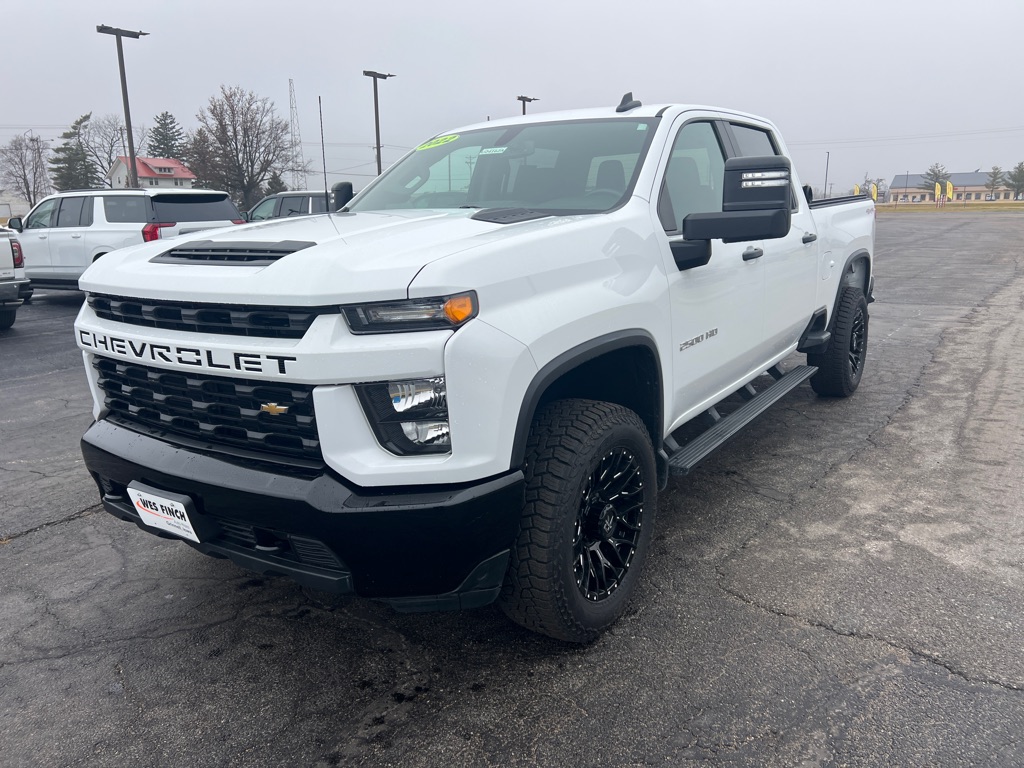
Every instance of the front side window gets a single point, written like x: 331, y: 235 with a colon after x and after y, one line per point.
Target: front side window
x: 41, y: 217
x: 753, y: 142
x: 585, y: 166
x: 694, y: 176
x: 264, y: 210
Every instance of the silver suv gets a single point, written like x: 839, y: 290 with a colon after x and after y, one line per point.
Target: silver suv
x: 66, y: 232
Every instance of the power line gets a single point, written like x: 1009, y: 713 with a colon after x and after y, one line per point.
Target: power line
x: 908, y: 137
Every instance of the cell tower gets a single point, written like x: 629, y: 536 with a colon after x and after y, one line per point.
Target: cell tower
x: 298, y: 163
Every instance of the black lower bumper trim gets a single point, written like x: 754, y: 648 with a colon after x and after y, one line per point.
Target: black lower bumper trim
x: 422, y: 548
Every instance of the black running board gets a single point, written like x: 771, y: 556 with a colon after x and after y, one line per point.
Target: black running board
x: 691, y: 454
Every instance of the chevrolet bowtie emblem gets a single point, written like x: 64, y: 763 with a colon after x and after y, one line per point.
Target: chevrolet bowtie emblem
x: 274, y: 409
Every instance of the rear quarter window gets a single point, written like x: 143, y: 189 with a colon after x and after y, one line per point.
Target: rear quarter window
x: 194, y: 208
x: 125, y: 209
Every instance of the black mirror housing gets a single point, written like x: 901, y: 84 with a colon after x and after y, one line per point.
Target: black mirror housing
x: 15, y: 223
x: 342, y: 194
x: 756, y: 203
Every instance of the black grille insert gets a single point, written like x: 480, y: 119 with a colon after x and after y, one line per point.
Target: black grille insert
x: 242, y: 252
x: 229, y: 414
x: 233, y: 320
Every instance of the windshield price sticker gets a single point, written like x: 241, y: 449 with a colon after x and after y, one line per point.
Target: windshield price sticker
x: 493, y: 151
x: 165, y: 514
x: 437, y: 142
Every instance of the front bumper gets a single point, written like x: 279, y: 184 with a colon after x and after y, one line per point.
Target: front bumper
x: 423, y: 548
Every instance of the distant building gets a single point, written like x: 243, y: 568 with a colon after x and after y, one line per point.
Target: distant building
x: 967, y: 187
x: 153, y: 172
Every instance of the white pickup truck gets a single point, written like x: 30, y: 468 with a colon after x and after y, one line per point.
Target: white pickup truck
x: 471, y: 382
x: 13, y: 283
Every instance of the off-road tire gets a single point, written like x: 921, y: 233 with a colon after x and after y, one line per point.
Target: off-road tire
x: 841, y: 365
x: 591, y: 497
x: 7, y: 318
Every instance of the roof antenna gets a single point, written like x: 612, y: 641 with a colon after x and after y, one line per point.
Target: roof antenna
x: 628, y: 103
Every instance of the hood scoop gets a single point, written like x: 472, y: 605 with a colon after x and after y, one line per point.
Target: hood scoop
x: 222, y: 252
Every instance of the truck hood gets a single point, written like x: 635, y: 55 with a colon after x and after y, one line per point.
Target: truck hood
x: 344, y: 258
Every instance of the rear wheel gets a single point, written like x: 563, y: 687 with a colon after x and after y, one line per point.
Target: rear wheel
x: 591, y: 496
x: 841, y: 365
x: 7, y: 318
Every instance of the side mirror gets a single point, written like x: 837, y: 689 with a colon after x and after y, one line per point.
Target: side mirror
x: 342, y: 194
x: 15, y: 223
x: 756, y: 203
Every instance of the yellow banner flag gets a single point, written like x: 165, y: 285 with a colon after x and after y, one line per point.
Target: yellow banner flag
x: 856, y: 189
x: 938, y: 190
x: 874, y: 192
x: 949, y: 190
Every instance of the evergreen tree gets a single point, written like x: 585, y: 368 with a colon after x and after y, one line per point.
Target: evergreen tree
x: 275, y: 184
x: 996, y: 179
x: 167, y: 139
x: 70, y: 166
x: 936, y: 174
x: 1015, y: 180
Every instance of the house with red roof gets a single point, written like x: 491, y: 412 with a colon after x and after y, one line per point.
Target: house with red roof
x: 153, y: 172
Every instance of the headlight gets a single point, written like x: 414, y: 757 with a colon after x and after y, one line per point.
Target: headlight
x: 437, y: 313
x: 410, y: 417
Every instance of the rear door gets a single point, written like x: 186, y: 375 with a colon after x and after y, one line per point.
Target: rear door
x: 716, y: 308
x: 68, y: 243
x: 35, y: 240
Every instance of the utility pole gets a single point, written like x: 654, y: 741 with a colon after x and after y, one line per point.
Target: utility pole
x: 825, y: 187
x: 103, y: 29
x: 376, y: 110
x: 525, y: 99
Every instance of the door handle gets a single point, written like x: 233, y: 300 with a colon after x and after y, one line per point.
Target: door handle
x: 809, y: 237
x: 752, y: 253
x: 76, y: 236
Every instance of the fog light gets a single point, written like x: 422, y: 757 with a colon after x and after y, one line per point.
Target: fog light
x: 434, y: 433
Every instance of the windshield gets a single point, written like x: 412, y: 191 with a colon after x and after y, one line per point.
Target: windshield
x: 568, y: 167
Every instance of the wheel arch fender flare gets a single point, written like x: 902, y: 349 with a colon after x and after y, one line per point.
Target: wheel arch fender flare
x: 565, y: 363
x: 856, y: 272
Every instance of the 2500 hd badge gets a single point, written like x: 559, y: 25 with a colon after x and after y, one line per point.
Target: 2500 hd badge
x: 251, y: 362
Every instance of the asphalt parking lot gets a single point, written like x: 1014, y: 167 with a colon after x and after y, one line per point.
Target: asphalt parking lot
x: 841, y: 585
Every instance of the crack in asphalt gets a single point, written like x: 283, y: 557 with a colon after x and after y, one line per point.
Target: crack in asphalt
x: 50, y: 523
x: 925, y: 656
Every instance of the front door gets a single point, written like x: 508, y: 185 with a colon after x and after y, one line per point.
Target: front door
x: 35, y: 240
x: 716, y: 308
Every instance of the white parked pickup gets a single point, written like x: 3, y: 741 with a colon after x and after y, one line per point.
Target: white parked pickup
x: 471, y: 382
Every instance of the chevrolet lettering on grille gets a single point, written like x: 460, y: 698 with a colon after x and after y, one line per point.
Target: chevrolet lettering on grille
x: 196, y: 357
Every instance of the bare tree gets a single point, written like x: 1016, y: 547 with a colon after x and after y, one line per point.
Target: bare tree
x: 23, y: 167
x: 104, y: 141
x: 249, y: 142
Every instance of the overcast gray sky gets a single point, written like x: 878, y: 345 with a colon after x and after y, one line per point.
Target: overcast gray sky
x: 884, y: 86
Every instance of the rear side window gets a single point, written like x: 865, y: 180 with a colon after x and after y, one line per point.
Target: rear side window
x: 70, y: 214
x: 125, y: 209
x: 294, y: 205
x: 195, y: 208
x: 319, y: 204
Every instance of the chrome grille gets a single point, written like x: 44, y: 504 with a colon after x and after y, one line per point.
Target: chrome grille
x: 232, y: 319
x: 221, y: 412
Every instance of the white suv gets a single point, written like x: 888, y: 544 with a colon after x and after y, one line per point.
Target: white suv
x: 66, y: 232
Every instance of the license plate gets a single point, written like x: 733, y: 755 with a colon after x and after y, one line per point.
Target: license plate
x: 158, y: 510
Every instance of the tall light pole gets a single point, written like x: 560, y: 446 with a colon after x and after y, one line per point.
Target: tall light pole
x: 824, y: 190
x: 376, y: 110
x: 525, y: 99
x: 103, y: 29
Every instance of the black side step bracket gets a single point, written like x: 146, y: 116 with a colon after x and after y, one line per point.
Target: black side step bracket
x: 685, y: 459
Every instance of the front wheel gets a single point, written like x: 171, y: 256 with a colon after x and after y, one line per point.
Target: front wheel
x: 591, y: 497
x: 841, y: 365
